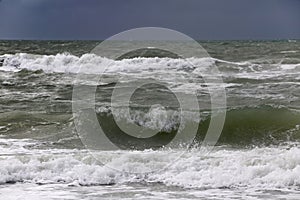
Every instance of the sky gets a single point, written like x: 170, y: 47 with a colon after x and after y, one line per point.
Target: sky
x: 100, y: 19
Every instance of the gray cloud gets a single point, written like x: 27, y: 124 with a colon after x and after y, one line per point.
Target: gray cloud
x: 99, y: 19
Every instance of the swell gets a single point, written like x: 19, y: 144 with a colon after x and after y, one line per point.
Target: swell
x: 260, y: 125
x: 244, y: 127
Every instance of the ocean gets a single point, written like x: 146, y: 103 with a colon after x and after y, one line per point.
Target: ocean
x: 44, y: 154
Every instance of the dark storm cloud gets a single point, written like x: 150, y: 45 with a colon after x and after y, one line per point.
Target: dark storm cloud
x: 99, y: 19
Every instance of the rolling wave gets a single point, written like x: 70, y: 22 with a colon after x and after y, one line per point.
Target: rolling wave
x: 259, y: 168
x: 90, y: 63
x: 245, y: 127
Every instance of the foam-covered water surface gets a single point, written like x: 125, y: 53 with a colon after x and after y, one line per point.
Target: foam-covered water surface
x: 257, y: 155
x: 224, y: 173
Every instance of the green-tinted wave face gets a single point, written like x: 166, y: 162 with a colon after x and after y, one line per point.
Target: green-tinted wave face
x: 244, y: 127
x: 263, y: 125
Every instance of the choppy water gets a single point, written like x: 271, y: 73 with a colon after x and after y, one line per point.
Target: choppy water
x: 257, y: 155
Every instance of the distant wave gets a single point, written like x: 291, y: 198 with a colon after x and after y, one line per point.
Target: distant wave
x: 90, y: 64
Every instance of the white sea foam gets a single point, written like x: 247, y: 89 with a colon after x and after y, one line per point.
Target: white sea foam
x: 290, y: 66
x: 288, y: 51
x: 91, y: 64
x: 260, y: 168
x: 180, y: 74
